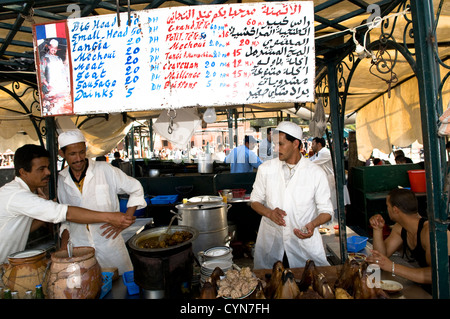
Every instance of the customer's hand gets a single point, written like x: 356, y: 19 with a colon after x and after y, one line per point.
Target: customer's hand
x: 381, y: 260
x: 376, y: 222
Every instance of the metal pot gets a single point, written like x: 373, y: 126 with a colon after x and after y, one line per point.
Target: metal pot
x: 205, y: 164
x: 211, y: 222
x: 162, y: 272
x: 135, y: 242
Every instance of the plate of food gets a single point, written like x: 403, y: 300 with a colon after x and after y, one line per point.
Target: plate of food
x: 359, y: 257
x: 391, y: 286
x: 237, y: 284
x: 324, y: 230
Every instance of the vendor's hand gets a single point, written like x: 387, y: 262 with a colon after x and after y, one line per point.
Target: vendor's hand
x: 277, y: 216
x: 110, y: 230
x: 306, y: 232
x: 376, y: 221
x: 121, y: 220
x: 381, y: 260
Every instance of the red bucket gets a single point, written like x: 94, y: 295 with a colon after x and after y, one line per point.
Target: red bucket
x: 417, y: 180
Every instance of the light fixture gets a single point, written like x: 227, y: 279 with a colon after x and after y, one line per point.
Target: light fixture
x: 361, y: 50
x: 210, y: 115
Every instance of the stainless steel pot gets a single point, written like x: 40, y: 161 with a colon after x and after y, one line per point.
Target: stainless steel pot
x: 205, y: 164
x: 211, y: 222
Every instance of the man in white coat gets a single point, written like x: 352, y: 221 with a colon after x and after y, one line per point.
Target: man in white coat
x: 95, y: 185
x: 24, y: 208
x: 293, y: 197
x: 322, y: 157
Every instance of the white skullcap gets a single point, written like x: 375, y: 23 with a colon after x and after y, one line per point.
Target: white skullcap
x: 70, y: 137
x: 290, y: 128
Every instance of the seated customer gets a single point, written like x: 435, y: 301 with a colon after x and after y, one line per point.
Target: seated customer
x: 410, y: 232
x: 117, y: 160
x: 400, y: 160
x: 400, y: 157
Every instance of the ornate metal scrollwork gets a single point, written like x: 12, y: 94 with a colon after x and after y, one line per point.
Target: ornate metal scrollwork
x: 322, y: 91
x: 385, y: 63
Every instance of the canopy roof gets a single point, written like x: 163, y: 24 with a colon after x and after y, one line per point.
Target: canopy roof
x: 375, y: 98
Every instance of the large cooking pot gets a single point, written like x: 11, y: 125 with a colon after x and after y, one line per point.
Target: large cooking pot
x: 210, y: 219
x: 162, y: 272
x: 135, y: 242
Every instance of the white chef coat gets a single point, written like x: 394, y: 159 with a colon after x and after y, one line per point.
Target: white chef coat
x: 323, y: 159
x: 305, y: 196
x: 55, y: 72
x: 18, y: 207
x: 102, y: 184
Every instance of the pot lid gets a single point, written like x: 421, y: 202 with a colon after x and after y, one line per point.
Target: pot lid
x: 192, y: 206
x: 26, y: 253
x: 205, y: 199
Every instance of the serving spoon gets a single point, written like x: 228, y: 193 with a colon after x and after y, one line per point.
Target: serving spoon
x: 165, y: 234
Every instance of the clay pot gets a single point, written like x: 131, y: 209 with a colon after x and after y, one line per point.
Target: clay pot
x: 76, y: 277
x: 25, y: 270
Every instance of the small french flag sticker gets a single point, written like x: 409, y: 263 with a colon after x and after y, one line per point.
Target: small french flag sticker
x: 52, y: 30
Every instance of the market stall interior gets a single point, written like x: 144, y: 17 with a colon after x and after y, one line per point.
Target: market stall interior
x: 372, y: 63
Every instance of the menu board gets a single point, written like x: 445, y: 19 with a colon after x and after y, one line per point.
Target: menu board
x: 209, y: 55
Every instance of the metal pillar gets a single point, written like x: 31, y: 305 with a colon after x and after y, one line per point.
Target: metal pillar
x: 337, y: 153
x: 133, y: 160
x: 150, y: 132
x: 428, y: 77
x: 230, y: 127
x: 236, y: 127
x: 52, y: 147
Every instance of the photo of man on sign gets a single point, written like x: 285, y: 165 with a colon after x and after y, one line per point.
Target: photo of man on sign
x: 54, y: 74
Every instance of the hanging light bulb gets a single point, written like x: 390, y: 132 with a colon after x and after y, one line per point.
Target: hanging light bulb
x: 361, y: 50
x: 210, y: 115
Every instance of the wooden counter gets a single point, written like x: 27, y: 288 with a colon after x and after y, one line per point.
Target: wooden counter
x: 410, y: 290
x: 330, y: 272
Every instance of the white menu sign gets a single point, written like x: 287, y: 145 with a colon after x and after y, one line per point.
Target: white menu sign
x: 209, y: 55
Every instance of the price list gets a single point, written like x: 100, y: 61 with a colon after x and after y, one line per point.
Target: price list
x: 194, y: 56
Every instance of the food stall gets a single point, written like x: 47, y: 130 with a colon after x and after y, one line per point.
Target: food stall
x: 329, y: 75
x: 395, y: 287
